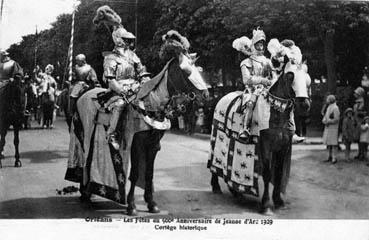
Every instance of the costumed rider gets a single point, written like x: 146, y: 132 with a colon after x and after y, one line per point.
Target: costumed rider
x: 123, y: 70
x: 84, y: 79
x: 10, y: 70
x: 287, y: 57
x: 256, y: 75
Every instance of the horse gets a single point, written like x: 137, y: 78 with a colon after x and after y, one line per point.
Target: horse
x: 98, y: 167
x: 270, y: 153
x: 11, y: 113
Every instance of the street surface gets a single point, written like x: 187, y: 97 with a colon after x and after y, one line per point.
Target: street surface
x: 182, y: 183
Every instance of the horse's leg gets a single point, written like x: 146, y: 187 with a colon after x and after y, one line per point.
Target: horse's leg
x: 136, y: 153
x: 150, y: 156
x: 3, y: 132
x: 283, y: 163
x: 215, y: 184
x: 17, y: 163
x: 266, y: 160
x: 279, y: 161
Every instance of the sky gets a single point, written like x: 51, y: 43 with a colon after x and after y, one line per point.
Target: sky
x: 20, y: 17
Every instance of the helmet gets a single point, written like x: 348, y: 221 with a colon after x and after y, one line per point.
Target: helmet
x: 80, y: 57
x: 120, y: 34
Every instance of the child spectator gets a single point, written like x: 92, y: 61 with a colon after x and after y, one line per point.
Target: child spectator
x: 200, y: 119
x: 348, y: 131
x: 331, y: 122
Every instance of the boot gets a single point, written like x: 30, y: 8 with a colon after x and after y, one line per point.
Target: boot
x: 297, y: 139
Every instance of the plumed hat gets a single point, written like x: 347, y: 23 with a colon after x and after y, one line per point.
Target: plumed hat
x: 294, y: 52
x: 275, y: 47
x: 109, y: 17
x: 173, y: 35
x: 286, y: 47
x: 242, y: 44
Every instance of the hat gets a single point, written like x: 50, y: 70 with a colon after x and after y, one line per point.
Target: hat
x: 81, y: 57
x: 360, y: 91
x: 331, y: 98
x: 293, y: 52
x: 241, y: 44
x: 109, y: 17
x: 177, y: 37
x: 348, y: 110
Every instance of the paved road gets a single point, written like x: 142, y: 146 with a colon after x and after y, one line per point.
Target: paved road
x: 316, y: 190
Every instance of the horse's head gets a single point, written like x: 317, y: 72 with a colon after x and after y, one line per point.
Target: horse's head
x: 293, y: 84
x: 185, y: 83
x: 184, y: 77
x: 287, y: 59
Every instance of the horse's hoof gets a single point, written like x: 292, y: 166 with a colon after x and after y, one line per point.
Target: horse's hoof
x: 267, y: 211
x: 18, y: 164
x: 153, y: 208
x: 217, y: 190
x: 280, y: 205
x: 85, y: 198
x: 132, y: 211
x: 234, y: 192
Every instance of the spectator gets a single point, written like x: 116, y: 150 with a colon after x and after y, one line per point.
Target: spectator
x: 359, y: 113
x: 364, y: 139
x: 200, y: 119
x: 331, y: 122
x: 348, y: 131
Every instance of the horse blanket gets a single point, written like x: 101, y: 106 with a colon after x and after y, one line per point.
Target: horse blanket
x: 235, y: 161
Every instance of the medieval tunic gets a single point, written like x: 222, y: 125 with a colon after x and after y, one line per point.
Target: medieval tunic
x: 331, y: 122
x: 256, y: 66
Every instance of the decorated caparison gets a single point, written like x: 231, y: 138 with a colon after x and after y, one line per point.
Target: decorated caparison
x: 94, y: 161
x: 252, y: 130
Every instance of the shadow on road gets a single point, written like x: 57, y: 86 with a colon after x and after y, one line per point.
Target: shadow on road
x: 44, y: 156
x: 64, y: 207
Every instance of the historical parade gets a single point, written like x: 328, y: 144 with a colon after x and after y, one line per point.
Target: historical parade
x: 188, y: 109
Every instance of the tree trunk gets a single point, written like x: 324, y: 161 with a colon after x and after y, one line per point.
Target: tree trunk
x: 329, y: 58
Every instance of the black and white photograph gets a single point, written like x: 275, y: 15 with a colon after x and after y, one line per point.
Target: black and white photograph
x: 210, y: 119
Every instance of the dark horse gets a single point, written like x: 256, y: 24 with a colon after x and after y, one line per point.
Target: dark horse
x: 275, y: 122
x: 11, y: 113
x: 144, y: 126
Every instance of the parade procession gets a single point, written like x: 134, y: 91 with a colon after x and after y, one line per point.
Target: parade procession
x: 187, y: 110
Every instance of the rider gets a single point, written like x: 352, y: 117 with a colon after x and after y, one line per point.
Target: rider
x: 9, y: 69
x: 256, y: 75
x: 287, y: 57
x: 122, y: 73
x: 84, y: 78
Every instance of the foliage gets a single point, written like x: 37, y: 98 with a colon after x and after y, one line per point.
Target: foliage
x: 332, y: 35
